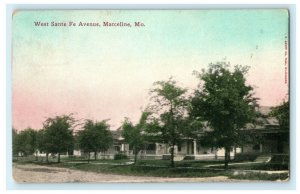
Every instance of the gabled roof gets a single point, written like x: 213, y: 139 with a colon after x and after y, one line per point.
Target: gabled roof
x: 117, y: 135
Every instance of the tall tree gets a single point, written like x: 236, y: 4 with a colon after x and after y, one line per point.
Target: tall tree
x: 58, y: 134
x: 133, y: 134
x: 169, y: 114
x: 95, y: 137
x: 226, y: 102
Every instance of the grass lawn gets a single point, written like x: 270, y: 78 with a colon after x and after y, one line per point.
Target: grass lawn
x: 161, y: 168
x: 262, y: 166
x: 143, y: 170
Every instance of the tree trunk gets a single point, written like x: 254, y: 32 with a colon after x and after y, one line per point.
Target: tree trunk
x: 95, y: 155
x: 172, y: 156
x: 227, y: 157
x: 89, y: 157
x: 47, y: 160
x: 36, y: 156
x: 135, y: 154
x: 58, y: 158
x: 234, y: 152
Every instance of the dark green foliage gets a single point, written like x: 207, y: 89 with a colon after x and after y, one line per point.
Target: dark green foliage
x: 57, y: 135
x: 226, y: 102
x: 120, y: 156
x: 281, y: 113
x: 24, y: 142
x: 95, y: 137
x: 133, y: 134
x: 15, y: 143
x: 169, y: 110
x: 242, y: 157
x: 281, y: 158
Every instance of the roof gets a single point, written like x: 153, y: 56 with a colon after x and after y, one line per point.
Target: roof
x: 117, y: 135
x: 265, y: 110
x: 263, y: 123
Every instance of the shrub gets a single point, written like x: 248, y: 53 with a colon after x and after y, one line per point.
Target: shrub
x: 245, y: 157
x: 120, y: 157
x: 280, y: 158
x: 189, y: 158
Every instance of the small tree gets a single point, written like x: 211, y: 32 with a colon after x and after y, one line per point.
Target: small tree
x: 105, y: 140
x: 169, y: 109
x: 226, y: 102
x: 58, y: 134
x: 95, y: 137
x: 84, y: 138
x: 15, y: 143
x: 133, y: 134
x: 25, y: 142
x: 44, y: 143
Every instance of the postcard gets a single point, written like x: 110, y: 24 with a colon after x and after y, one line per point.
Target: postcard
x: 144, y: 96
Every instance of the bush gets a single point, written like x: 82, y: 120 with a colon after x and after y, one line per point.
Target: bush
x: 280, y: 158
x: 120, y: 157
x: 241, y: 157
x: 166, y: 157
x: 189, y: 158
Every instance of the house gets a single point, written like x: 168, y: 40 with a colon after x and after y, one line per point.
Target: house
x: 266, y: 138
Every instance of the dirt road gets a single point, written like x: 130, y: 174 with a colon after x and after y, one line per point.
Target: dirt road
x: 30, y: 173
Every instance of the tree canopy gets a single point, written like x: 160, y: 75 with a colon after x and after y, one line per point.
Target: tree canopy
x: 58, y: 134
x: 169, y: 114
x: 24, y: 142
x: 281, y: 113
x: 133, y: 134
x: 95, y: 137
x: 226, y: 102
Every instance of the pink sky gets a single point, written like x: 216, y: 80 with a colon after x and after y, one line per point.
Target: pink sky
x: 107, y: 73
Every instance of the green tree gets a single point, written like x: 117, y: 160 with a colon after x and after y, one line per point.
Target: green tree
x: 95, y: 137
x: 15, y: 143
x: 44, y: 142
x: 85, y: 141
x: 169, y: 114
x: 25, y: 142
x: 281, y: 113
x: 58, y: 134
x: 133, y: 134
x: 226, y: 102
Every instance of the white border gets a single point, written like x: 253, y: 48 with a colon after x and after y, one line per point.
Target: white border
x: 5, y: 96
